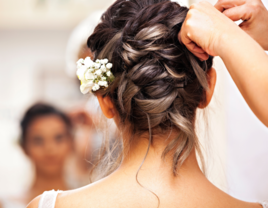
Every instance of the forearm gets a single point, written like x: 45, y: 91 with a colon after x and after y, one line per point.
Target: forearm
x: 247, y: 63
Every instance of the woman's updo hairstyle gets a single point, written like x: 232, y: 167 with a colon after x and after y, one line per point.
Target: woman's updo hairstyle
x: 159, y: 83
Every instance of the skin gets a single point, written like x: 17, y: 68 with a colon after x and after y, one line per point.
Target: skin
x: 254, y: 16
x: 120, y: 189
x: 204, y: 32
x: 48, y: 143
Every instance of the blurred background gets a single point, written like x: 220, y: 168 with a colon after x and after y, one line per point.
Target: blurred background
x: 40, y: 41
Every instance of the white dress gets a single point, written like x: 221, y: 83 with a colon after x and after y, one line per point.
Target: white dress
x: 48, y: 200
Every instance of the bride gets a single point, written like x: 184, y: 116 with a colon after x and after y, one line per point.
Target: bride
x: 152, y: 88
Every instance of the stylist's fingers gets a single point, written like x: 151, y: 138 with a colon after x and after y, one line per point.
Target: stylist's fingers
x: 197, y: 51
x: 238, y: 13
x: 195, y: 48
x: 254, y: 14
x: 222, y: 5
x: 202, y: 56
x: 203, y: 29
x: 191, y: 46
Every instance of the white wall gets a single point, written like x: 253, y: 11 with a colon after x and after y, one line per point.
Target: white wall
x: 33, y: 41
x: 46, y: 14
x: 24, y: 55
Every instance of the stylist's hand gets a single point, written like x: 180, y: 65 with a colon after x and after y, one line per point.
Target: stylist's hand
x: 254, y: 16
x: 204, y: 29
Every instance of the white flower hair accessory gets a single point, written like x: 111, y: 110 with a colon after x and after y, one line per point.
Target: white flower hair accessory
x: 94, y: 75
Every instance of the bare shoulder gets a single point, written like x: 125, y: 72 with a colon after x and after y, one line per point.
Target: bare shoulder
x: 81, y: 197
x: 229, y: 201
x: 34, y: 203
x: 254, y: 205
x: 65, y: 199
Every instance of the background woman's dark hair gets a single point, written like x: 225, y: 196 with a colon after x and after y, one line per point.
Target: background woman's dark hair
x: 39, y: 110
x: 159, y: 83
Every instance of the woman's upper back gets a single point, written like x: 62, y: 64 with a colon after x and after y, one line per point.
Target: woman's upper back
x: 111, y: 192
x: 48, y: 200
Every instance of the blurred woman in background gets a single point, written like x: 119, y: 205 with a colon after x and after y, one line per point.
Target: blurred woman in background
x: 46, y: 138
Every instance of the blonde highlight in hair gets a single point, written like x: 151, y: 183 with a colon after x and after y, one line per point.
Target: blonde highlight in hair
x: 159, y: 83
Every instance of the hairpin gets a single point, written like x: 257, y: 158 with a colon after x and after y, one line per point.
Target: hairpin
x: 94, y: 75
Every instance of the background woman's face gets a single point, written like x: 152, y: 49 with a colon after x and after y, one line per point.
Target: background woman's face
x: 48, y: 143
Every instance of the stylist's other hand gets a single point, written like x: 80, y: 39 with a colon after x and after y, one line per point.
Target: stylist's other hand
x: 204, y: 28
x: 254, y: 16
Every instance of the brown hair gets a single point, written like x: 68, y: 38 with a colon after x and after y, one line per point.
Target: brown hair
x: 159, y: 83
x: 40, y: 110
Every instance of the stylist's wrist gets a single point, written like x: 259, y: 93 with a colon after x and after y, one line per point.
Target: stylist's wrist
x: 227, y: 41
x: 234, y: 43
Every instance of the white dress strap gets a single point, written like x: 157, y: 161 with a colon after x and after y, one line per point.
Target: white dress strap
x: 264, y: 204
x: 48, y: 199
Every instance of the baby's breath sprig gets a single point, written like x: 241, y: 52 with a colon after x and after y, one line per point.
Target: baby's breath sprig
x: 94, y: 75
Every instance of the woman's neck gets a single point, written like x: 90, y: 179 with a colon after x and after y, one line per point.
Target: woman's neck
x: 154, y: 162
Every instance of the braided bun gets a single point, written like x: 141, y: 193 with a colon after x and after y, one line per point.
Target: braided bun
x: 156, y: 76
